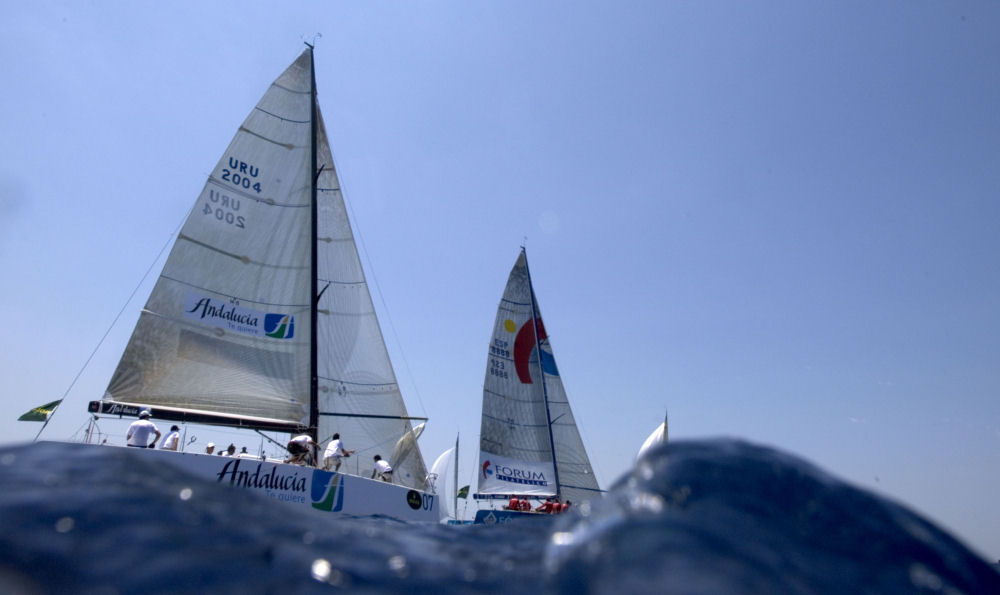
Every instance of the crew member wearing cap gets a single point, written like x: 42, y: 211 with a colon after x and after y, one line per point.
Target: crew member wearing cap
x: 139, y: 431
x: 209, y: 448
x: 382, y: 469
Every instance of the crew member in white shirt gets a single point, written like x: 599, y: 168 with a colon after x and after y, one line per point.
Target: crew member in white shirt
x: 382, y: 469
x: 139, y: 431
x: 334, y: 452
x: 172, y: 439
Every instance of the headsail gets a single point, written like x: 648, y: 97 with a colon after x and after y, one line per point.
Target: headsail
x: 359, y: 396
x: 227, y: 332
x: 436, y: 480
x: 529, y: 442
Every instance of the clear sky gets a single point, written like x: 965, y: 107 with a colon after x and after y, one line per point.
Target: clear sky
x: 778, y: 220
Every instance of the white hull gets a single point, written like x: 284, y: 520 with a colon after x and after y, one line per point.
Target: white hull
x: 308, y: 488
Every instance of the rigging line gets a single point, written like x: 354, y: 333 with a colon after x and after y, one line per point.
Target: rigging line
x: 80, y: 429
x: 113, y: 323
x: 586, y: 489
x: 269, y: 439
x: 371, y: 416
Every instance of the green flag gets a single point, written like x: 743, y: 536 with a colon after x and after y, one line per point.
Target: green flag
x: 464, y: 492
x: 41, y: 413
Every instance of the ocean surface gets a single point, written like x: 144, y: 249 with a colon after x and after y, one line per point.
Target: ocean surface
x: 717, y: 516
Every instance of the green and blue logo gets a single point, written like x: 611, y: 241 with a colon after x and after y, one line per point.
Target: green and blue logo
x: 327, y: 491
x: 279, y: 326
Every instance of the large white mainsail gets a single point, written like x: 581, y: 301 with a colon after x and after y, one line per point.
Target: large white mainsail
x: 227, y: 335
x: 529, y: 442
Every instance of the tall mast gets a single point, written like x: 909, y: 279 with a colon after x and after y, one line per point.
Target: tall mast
x: 541, y: 371
x: 313, y: 359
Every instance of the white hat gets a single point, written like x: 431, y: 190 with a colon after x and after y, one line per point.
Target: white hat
x: 210, y: 445
x: 145, y: 413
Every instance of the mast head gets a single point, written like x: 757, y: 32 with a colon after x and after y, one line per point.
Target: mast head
x: 313, y: 44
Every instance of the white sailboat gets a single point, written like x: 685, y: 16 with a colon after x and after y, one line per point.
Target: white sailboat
x: 437, y: 481
x: 530, y: 447
x: 262, y: 319
x: 658, y: 436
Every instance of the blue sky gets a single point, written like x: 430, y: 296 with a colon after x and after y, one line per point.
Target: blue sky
x: 779, y: 220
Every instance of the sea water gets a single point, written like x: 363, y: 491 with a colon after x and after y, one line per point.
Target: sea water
x: 692, y: 517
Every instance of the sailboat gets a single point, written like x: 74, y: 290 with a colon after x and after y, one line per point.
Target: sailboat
x: 657, y: 436
x: 530, y: 448
x: 437, y: 482
x: 262, y: 319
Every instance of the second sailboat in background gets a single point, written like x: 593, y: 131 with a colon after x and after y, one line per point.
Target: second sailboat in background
x: 530, y: 450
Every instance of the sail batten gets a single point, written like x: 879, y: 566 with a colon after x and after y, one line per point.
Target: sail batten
x: 307, y: 91
x: 263, y: 200
x: 283, y: 145
x: 282, y: 118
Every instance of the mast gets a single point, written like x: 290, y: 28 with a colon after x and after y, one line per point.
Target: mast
x: 535, y: 321
x: 456, y: 476
x: 314, y: 302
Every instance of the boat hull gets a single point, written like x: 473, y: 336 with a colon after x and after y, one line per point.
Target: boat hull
x: 326, y: 492
x: 502, y: 517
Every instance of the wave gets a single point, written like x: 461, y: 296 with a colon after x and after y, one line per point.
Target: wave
x: 719, y: 516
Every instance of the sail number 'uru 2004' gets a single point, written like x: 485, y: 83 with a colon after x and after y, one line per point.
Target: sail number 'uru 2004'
x: 242, y: 175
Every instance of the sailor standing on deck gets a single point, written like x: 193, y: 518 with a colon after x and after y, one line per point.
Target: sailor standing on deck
x: 334, y: 452
x: 139, y: 431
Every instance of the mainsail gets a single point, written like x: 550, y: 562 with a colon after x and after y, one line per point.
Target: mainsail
x: 529, y: 442
x: 262, y: 316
